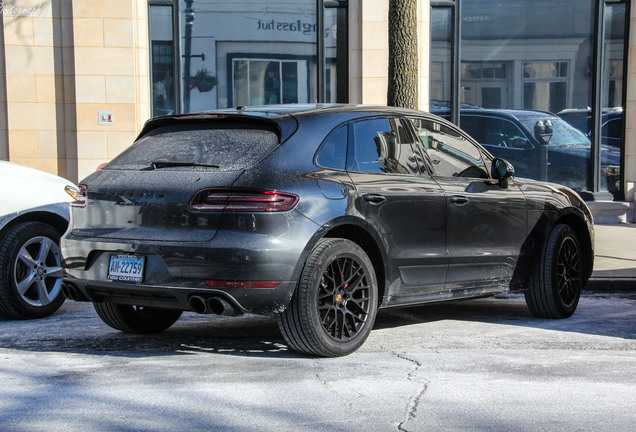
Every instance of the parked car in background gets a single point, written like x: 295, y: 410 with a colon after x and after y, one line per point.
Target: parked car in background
x: 512, y: 135
x: 34, y: 213
x: 320, y: 215
x: 612, y: 123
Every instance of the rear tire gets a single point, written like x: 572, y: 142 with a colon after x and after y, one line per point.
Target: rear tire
x: 136, y: 319
x: 334, y: 307
x: 557, y: 284
x: 30, y: 271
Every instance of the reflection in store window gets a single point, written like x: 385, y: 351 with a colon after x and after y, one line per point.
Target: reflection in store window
x: 485, y: 84
x: 162, y: 65
x: 612, y: 103
x: 266, y: 82
x: 441, y: 57
x: 545, y: 86
x: 259, y: 52
x: 515, y: 56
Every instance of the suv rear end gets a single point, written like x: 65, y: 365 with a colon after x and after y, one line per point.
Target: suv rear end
x: 162, y: 226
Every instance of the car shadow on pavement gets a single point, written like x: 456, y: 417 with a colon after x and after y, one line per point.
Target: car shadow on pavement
x: 613, y: 317
x: 76, y: 328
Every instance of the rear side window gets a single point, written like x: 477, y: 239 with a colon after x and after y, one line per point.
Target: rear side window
x: 230, y: 147
x: 333, y: 153
x: 382, y: 146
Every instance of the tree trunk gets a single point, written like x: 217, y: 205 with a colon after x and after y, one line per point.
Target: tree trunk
x: 403, y: 54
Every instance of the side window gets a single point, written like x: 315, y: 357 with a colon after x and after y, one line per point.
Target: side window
x: 381, y: 145
x: 474, y: 126
x: 333, y: 152
x: 613, y: 128
x: 504, y: 133
x: 451, y: 154
x: 494, y: 131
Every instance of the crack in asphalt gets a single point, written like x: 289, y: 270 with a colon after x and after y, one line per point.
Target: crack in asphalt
x: 414, y: 401
x: 326, y: 384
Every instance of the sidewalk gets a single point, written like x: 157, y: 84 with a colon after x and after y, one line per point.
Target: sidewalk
x: 615, y: 261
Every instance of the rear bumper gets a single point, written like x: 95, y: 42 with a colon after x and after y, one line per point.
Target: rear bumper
x: 263, y: 301
x: 176, y: 271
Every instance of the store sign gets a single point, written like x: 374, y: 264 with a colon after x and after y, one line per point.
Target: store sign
x: 287, y: 26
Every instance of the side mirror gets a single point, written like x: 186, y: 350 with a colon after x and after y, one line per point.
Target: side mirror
x: 502, y: 170
x: 543, y: 131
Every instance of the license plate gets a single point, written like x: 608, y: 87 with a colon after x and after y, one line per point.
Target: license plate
x: 126, y: 268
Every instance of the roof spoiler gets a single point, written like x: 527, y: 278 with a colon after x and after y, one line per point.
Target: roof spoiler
x: 284, y: 126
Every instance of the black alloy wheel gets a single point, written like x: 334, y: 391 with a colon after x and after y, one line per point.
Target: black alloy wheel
x: 344, y: 298
x: 334, y: 307
x: 558, y: 281
x: 569, y: 272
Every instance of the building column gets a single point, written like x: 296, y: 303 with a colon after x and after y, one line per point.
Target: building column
x: 4, y: 131
x: 369, y: 51
x: 34, y: 93
x: 111, y: 78
x: 424, y: 48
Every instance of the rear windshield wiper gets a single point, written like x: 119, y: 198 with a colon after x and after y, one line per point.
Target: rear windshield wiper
x: 168, y: 164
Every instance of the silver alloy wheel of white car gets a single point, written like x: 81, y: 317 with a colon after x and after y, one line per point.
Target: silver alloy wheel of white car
x: 38, y: 272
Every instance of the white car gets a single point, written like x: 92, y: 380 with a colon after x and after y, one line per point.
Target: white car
x: 34, y: 213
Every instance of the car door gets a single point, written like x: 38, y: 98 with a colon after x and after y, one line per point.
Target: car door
x: 406, y: 210
x: 486, y: 222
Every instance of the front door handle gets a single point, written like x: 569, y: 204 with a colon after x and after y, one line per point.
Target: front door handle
x: 373, y: 198
x: 459, y: 200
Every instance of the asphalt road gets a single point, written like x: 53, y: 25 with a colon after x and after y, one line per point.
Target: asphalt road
x: 479, y: 365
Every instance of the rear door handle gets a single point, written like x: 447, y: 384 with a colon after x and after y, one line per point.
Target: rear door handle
x: 459, y: 200
x: 373, y: 198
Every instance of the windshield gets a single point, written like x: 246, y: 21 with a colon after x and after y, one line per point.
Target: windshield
x: 562, y: 133
x: 223, y: 147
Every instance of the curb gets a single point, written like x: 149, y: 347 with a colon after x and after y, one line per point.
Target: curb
x: 614, y: 284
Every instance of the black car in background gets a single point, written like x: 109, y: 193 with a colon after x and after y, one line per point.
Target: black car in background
x: 513, y: 135
x: 612, y: 123
x: 320, y: 215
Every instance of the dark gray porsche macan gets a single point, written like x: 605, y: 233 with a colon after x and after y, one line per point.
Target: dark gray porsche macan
x: 321, y: 215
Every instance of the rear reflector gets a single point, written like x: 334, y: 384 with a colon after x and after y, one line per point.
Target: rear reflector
x: 243, y: 200
x: 242, y: 284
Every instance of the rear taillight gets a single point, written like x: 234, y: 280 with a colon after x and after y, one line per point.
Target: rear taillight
x: 242, y: 200
x: 79, y: 195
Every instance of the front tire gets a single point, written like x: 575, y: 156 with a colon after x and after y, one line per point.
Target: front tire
x: 136, y: 319
x: 558, y: 282
x: 334, y: 307
x: 30, y: 271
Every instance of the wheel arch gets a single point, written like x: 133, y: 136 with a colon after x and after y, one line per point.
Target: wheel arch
x: 366, y: 241
x: 55, y: 220
x: 357, y: 231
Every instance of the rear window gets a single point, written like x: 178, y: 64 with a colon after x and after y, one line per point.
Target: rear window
x: 225, y: 147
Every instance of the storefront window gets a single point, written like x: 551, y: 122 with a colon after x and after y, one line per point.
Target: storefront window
x: 612, y: 117
x: 528, y: 62
x: 265, y: 82
x: 255, y: 53
x: 441, y: 57
x: 162, y: 65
